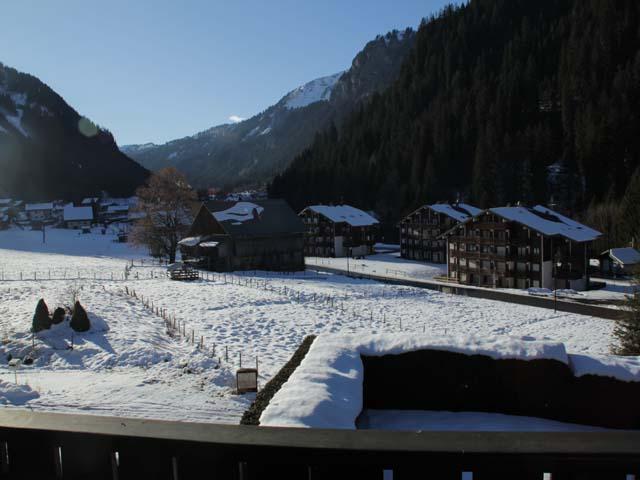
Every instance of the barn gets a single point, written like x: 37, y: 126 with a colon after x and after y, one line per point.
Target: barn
x: 256, y: 235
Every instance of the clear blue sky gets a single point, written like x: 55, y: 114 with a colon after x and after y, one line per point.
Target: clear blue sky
x: 155, y: 70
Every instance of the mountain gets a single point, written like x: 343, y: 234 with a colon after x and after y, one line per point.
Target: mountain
x: 48, y: 150
x: 252, y: 151
x: 499, y: 101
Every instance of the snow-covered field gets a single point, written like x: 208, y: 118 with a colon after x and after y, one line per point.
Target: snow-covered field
x: 128, y: 365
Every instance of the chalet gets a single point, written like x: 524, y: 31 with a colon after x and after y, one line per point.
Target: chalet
x: 619, y: 261
x: 260, y: 235
x: 338, y: 231
x: 420, y: 231
x: 78, y: 217
x: 39, y: 212
x: 520, y: 247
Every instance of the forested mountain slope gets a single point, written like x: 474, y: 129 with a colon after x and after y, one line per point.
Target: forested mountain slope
x: 48, y: 150
x: 499, y: 101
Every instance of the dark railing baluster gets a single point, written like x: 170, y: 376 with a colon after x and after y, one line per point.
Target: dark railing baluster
x: 50, y: 446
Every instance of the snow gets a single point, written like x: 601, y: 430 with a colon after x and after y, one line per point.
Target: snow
x: 38, y: 206
x: 325, y: 391
x: 384, y: 264
x: 454, y: 213
x: 314, y: 91
x: 625, y: 256
x: 240, y: 212
x: 442, y: 421
x: 89, y: 200
x: 572, y: 230
x: 563, y: 226
x: 189, y: 241
x: 72, y: 213
x: 266, y: 131
x: 626, y: 369
x: 209, y: 244
x: 12, y: 394
x: 344, y: 213
x: 119, y: 367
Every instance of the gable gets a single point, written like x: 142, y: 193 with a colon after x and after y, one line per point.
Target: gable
x: 205, y: 224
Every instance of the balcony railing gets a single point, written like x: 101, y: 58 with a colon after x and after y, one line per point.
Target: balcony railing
x: 59, y: 446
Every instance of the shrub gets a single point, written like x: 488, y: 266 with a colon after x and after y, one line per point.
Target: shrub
x: 58, y: 315
x: 80, y: 319
x: 41, y: 319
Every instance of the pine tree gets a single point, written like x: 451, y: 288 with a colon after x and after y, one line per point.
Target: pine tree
x: 80, y: 319
x: 627, y: 331
x: 41, y: 319
x: 58, y: 316
x: 630, y: 210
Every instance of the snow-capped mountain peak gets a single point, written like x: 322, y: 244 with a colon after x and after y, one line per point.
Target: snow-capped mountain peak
x: 314, y: 91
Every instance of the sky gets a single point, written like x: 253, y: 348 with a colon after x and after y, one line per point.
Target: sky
x: 156, y: 70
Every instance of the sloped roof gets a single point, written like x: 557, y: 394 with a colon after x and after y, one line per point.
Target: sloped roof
x: 624, y: 256
x: 344, y: 214
x: 457, y: 211
x: 256, y: 218
x: 548, y: 222
x: 72, y: 213
x: 29, y: 207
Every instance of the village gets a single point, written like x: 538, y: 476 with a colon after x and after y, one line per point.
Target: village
x: 244, y: 257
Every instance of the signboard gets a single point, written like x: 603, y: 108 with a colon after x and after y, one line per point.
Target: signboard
x: 247, y: 380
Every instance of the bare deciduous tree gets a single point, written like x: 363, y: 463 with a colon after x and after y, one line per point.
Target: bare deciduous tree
x: 167, y: 203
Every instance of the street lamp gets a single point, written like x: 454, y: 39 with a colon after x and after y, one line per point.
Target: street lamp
x: 557, y: 264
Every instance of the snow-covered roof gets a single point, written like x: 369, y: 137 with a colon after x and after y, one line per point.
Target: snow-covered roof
x: 72, y: 213
x: 457, y: 211
x: 344, y: 213
x: 117, y: 208
x: 208, y: 244
x: 624, y: 256
x: 325, y: 391
x: 190, y: 241
x: 548, y: 222
x: 5, y: 201
x: 240, y: 212
x: 89, y: 200
x: 30, y: 207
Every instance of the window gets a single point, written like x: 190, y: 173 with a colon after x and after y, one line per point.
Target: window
x: 535, y: 267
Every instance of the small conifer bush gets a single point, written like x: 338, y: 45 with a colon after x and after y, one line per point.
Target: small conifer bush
x: 80, y: 319
x: 41, y: 319
x: 58, y: 316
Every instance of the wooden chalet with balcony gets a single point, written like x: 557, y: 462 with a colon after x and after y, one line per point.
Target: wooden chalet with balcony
x: 338, y: 231
x: 421, y: 230
x: 520, y: 247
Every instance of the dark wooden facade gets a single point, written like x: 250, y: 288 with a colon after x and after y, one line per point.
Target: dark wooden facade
x: 421, y: 231
x: 325, y: 237
x: 491, y: 251
x: 272, y: 240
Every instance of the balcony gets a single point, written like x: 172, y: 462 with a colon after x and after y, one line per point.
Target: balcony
x: 58, y: 446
